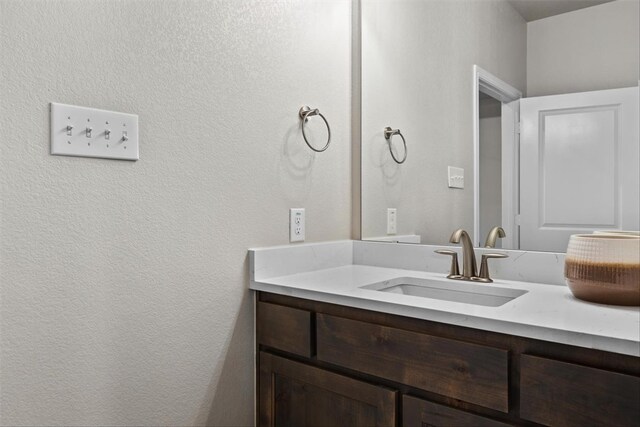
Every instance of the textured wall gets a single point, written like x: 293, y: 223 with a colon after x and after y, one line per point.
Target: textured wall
x: 417, y: 75
x: 124, y: 285
x: 589, y: 49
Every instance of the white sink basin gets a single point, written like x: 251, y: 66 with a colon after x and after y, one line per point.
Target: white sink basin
x: 448, y: 290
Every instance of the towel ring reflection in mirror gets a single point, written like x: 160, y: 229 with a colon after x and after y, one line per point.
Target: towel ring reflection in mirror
x: 388, y: 134
x: 306, y: 112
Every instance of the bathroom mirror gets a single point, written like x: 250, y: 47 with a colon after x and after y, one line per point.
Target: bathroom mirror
x: 518, y: 113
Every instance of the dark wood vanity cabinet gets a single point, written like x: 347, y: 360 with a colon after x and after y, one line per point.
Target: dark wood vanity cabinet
x: 327, y: 365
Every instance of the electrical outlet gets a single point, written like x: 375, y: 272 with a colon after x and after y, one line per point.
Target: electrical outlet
x: 392, y: 221
x: 456, y: 177
x: 296, y: 225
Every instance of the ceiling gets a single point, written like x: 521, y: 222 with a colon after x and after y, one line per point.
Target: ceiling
x: 532, y: 10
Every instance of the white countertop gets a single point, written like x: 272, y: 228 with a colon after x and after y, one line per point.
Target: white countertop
x: 545, y: 312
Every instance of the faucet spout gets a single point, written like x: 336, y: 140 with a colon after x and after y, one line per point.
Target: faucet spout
x: 493, y: 236
x: 469, y: 267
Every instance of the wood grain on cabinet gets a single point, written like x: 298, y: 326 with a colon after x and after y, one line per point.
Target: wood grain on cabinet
x: 296, y: 394
x: 284, y: 328
x: 516, y: 345
x: 521, y: 406
x: 474, y: 373
x: 559, y: 393
x: 422, y: 413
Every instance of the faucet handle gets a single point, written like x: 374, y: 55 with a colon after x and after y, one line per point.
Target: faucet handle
x: 454, y: 271
x: 483, y: 276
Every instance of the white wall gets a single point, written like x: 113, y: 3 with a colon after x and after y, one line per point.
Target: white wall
x: 124, y: 285
x: 589, y: 49
x: 417, y: 75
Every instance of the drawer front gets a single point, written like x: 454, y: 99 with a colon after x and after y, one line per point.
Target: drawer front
x: 421, y: 413
x: 284, y: 328
x: 474, y: 373
x: 560, y: 393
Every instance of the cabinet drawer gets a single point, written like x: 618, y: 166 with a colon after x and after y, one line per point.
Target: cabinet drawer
x: 422, y: 413
x: 560, y: 393
x: 474, y: 373
x: 284, y: 328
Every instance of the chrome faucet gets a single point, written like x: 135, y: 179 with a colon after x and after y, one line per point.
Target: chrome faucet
x: 469, y: 267
x: 493, y: 236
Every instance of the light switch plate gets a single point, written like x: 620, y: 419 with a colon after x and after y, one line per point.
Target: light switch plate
x: 89, y: 132
x: 456, y: 177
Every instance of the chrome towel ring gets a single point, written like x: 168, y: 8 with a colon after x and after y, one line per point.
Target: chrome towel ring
x: 306, y: 112
x: 388, y: 134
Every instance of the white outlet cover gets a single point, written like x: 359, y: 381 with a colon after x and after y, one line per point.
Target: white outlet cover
x: 392, y: 221
x: 89, y: 132
x: 455, y: 177
x: 296, y: 225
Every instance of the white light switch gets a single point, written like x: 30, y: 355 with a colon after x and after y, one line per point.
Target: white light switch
x: 89, y: 132
x: 456, y: 177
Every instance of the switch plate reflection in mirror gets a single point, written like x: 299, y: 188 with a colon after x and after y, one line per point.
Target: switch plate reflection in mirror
x: 456, y: 177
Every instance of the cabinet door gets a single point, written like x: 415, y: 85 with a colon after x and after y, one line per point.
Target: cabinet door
x: 559, y: 393
x: 422, y: 413
x: 295, y: 394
